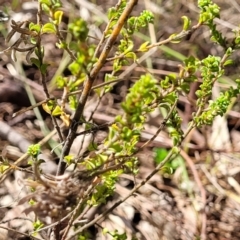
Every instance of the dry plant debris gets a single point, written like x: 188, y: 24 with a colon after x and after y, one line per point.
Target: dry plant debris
x: 201, y: 198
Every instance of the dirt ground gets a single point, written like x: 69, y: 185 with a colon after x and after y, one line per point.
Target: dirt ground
x: 200, y: 200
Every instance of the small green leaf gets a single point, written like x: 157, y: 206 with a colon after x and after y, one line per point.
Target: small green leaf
x: 48, y: 28
x: 237, y: 40
x: 175, y: 150
x: 33, y: 40
x: 35, y: 61
x: 228, y: 62
x: 229, y: 51
x: 47, y: 2
x: 37, y: 225
x: 79, y: 29
x: 186, y: 23
x: 131, y: 55
x: 43, y: 68
x: 49, y: 106
x: 3, y: 168
x: 62, y: 45
x: 34, y: 27
x: 45, y: 8
x: 160, y: 154
x: 57, y: 111
x: 167, y: 169
x: 143, y: 47
x: 31, y: 202
x: 69, y: 159
x: 105, y: 231
x: 73, y: 102
x: 57, y: 5
x: 34, y: 150
x: 58, y: 17
x: 103, y: 158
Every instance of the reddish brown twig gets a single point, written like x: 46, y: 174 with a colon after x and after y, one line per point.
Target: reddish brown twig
x: 90, y: 80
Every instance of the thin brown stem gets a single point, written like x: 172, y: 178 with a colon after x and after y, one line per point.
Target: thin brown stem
x: 105, y: 213
x: 202, y: 192
x: 25, y: 156
x: 18, y: 232
x: 90, y: 80
x: 76, y: 210
x: 162, y: 125
x: 43, y: 75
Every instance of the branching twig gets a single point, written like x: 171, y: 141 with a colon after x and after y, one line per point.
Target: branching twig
x: 89, y: 82
x: 43, y: 75
x: 105, y: 213
x: 76, y: 210
x: 161, y: 125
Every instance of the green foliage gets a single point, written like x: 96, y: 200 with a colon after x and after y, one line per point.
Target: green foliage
x: 140, y: 98
x: 208, y: 11
x: 79, y: 29
x: 136, y: 23
x: 115, y: 235
x: 115, y: 12
x: 117, y: 153
x: 84, y: 236
x: 48, y: 28
x: 34, y: 150
x: 174, y: 128
x: 217, y: 108
x: 36, y: 226
x: 170, y: 167
x: 50, y: 6
x: 186, y: 23
x: 106, y: 189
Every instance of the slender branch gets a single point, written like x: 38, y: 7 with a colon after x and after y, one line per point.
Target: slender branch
x: 76, y: 210
x: 105, y: 213
x: 202, y: 192
x: 90, y: 80
x: 162, y: 125
x: 104, y: 34
x: 43, y: 75
x: 18, y: 232
x: 25, y: 156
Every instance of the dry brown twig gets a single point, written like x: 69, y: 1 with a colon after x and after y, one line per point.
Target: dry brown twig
x: 202, y: 192
x: 20, y: 233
